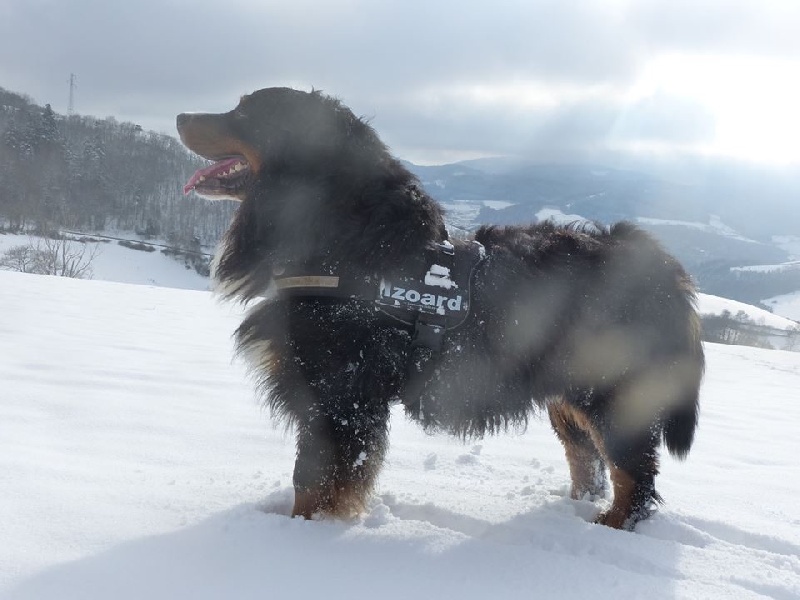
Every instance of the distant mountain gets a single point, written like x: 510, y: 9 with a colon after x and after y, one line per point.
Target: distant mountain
x: 757, y: 203
x: 713, y: 216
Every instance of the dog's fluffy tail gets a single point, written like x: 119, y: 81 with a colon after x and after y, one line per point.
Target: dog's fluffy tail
x: 681, y: 419
x: 679, y: 428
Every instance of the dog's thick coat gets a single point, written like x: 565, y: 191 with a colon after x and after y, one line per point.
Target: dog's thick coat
x: 596, y: 324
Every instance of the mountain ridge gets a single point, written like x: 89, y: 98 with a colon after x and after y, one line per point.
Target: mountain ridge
x: 715, y: 219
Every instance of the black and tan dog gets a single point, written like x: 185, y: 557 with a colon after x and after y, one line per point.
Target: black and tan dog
x: 365, y: 302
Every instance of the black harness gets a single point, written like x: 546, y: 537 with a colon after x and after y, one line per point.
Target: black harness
x: 429, y: 303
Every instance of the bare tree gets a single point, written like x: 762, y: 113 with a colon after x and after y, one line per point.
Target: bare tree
x: 19, y: 258
x: 65, y: 258
x: 48, y: 256
x: 793, y: 338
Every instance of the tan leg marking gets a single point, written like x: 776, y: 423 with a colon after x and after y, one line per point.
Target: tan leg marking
x: 586, y: 465
x: 343, y: 503
x: 624, y: 487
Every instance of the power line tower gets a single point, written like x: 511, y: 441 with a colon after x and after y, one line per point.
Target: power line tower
x: 72, y: 87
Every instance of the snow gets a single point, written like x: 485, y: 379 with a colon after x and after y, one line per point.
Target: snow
x: 497, y: 204
x: 787, y: 305
x: 135, y: 462
x: 787, y: 266
x: 715, y: 305
x: 714, y: 225
x: 790, y: 244
x: 113, y: 262
x: 558, y: 217
x: 462, y: 213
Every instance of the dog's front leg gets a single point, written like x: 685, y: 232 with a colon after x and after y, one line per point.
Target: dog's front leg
x: 341, y: 445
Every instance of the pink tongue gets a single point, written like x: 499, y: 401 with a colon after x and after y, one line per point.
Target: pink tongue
x: 218, y: 167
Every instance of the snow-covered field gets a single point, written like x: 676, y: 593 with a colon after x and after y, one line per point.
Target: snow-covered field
x: 714, y: 225
x: 782, y: 267
x: 790, y: 243
x: 136, y: 463
x: 555, y: 215
x: 113, y: 262
x: 787, y: 305
x: 715, y: 305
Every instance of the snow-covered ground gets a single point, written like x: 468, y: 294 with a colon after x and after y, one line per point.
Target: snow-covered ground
x: 462, y: 213
x: 113, y: 262
x: 555, y: 215
x: 781, y: 267
x: 790, y: 244
x: 715, y: 305
x: 136, y: 463
x: 714, y: 225
x: 787, y: 305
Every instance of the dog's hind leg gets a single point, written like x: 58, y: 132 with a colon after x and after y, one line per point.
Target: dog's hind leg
x: 586, y: 464
x: 633, y: 464
x: 634, y: 493
x: 339, y: 456
x: 592, y: 443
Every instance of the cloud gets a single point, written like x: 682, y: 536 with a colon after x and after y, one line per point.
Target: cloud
x: 745, y: 27
x: 580, y: 129
x: 543, y: 77
x: 169, y: 46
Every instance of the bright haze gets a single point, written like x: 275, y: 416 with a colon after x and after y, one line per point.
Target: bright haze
x: 553, y: 81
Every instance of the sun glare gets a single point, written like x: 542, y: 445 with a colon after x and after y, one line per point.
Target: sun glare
x: 753, y: 100
x: 753, y: 103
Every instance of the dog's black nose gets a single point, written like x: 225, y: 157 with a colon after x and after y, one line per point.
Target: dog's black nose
x: 182, y: 119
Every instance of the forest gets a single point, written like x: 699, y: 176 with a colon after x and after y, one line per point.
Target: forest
x: 87, y: 174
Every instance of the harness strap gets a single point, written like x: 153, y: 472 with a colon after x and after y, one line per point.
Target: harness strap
x: 430, y: 304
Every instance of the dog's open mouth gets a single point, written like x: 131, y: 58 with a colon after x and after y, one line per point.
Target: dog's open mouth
x: 224, y: 178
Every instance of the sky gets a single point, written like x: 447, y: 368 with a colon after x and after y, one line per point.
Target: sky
x: 439, y: 80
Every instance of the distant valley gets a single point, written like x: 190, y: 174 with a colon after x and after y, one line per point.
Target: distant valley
x: 736, y: 229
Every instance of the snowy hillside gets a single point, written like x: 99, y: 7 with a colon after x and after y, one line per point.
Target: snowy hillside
x: 714, y: 305
x: 786, y: 304
x: 136, y: 463
x: 714, y: 226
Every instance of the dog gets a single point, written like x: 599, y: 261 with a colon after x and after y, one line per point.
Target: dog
x: 364, y: 300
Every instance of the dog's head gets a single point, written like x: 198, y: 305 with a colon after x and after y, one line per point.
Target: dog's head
x: 274, y: 129
x: 316, y: 186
